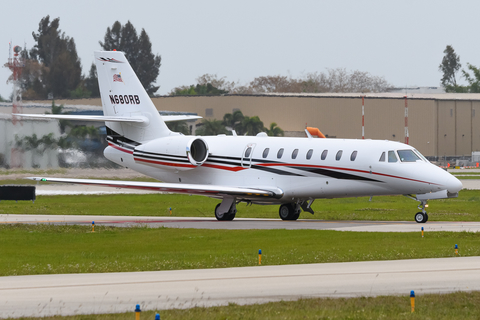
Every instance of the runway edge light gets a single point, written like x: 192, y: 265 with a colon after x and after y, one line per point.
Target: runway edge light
x: 157, y: 316
x: 137, y: 312
x: 456, y: 249
x: 422, y: 232
x: 412, y: 300
x: 93, y: 226
x: 259, y: 256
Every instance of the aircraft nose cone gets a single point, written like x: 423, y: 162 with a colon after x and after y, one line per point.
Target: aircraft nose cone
x: 454, y: 185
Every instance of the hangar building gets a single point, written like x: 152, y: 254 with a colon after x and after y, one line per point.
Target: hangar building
x: 439, y: 124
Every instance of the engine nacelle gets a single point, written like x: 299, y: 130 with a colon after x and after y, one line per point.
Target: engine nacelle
x: 173, y: 153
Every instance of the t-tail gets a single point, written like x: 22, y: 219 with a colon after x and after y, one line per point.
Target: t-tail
x: 124, y: 97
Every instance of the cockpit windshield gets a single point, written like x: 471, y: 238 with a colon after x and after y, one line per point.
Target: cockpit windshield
x: 408, y: 156
x: 420, y: 155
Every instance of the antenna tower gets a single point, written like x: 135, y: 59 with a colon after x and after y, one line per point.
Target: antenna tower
x: 15, y: 65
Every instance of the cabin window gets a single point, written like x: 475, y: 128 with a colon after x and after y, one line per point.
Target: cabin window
x: 280, y: 153
x: 294, y: 154
x: 353, y: 156
x: 248, y: 152
x: 339, y: 155
x: 324, y: 154
x: 309, y: 154
x: 391, y: 156
x: 265, y: 152
x: 407, y: 156
x: 382, y: 157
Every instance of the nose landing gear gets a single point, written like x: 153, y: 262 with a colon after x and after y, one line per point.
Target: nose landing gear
x: 422, y: 217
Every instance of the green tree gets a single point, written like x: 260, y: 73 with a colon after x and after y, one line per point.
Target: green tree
x: 450, y: 66
x: 274, y: 130
x: 138, y: 51
x: 59, y: 110
x: 251, y: 126
x: 91, y: 82
x: 473, y: 80
x: 57, y: 53
x: 234, y: 121
x: 198, y: 90
x: 211, y: 128
x: 37, y: 145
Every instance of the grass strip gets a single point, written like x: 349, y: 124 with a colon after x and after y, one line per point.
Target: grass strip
x: 51, y: 249
x: 475, y: 177
x: 458, y: 305
x: 388, y: 208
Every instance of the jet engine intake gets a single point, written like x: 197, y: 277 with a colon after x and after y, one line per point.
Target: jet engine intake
x: 197, y: 151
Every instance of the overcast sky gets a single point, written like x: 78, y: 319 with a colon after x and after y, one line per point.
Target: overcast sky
x: 402, y: 41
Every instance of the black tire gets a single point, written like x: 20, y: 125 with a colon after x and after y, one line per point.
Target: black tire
x: 426, y: 217
x: 287, y: 212
x: 420, y: 217
x: 220, y: 216
x: 227, y: 216
x: 231, y: 214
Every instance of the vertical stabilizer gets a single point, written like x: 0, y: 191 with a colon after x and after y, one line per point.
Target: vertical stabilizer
x: 123, y: 95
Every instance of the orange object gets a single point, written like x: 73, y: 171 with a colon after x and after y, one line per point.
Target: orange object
x: 315, y: 132
x: 477, y: 164
x: 448, y: 165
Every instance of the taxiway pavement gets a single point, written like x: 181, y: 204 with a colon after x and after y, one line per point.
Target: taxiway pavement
x: 245, y: 223
x: 69, y: 294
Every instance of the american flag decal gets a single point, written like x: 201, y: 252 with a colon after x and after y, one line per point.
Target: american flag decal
x: 117, y: 77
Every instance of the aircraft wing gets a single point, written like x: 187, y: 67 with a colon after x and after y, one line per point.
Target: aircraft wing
x: 197, y: 189
x: 106, y: 118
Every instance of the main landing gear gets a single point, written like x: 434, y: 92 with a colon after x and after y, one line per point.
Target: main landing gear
x: 289, y: 211
x: 422, y: 217
x: 225, y: 216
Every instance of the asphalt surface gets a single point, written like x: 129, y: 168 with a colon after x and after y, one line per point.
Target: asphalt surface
x: 70, y: 294
x: 245, y: 223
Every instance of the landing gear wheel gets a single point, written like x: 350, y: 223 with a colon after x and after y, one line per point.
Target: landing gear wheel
x: 421, y: 217
x: 225, y: 216
x: 288, y: 211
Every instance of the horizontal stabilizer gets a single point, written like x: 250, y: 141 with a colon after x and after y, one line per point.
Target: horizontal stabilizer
x: 137, y: 119
x: 198, y: 189
x: 180, y: 118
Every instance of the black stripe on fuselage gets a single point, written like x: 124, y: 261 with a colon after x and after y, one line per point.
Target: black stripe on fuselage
x: 335, y: 174
x: 276, y: 171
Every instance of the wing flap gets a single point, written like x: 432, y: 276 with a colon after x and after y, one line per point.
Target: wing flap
x: 197, y: 189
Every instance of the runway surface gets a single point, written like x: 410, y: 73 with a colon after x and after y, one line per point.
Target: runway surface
x: 70, y: 294
x: 246, y: 223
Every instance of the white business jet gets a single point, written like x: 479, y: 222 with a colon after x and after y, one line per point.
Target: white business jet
x: 290, y: 172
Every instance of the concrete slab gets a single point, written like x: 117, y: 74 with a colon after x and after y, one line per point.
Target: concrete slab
x: 70, y: 294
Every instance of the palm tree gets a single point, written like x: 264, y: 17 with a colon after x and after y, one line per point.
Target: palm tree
x: 211, y: 128
x: 36, y: 145
x: 59, y: 110
x: 274, y: 130
x: 233, y: 121
x: 252, y: 125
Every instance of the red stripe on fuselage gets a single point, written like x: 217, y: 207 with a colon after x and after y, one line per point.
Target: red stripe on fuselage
x: 120, y: 148
x: 162, y: 163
